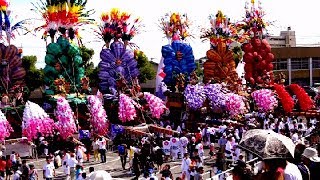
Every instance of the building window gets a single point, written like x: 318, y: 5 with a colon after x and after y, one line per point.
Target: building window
x: 280, y: 64
x: 315, y: 62
x: 299, y: 63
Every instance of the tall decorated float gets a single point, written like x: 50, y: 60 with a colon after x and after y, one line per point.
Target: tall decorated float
x: 12, y: 73
x: 66, y: 87
x: 119, y: 76
x: 178, y: 60
x: 269, y: 93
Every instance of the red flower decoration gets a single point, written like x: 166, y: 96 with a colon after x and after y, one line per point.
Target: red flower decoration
x: 285, y: 98
x: 305, y: 101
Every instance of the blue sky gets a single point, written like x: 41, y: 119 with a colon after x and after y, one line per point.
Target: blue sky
x: 300, y: 15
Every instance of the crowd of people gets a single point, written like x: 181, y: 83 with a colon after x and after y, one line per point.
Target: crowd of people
x: 149, y: 157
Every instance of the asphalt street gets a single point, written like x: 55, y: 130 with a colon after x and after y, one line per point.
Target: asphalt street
x: 113, y: 166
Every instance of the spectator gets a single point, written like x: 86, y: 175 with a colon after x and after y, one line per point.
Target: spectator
x: 311, y: 159
x: 33, y: 174
x: 48, y: 170
x: 72, y: 162
x: 25, y: 170
x: 8, y: 167
x: 122, y: 151
x: 17, y: 174
x: 102, y: 149
x: 3, y: 164
x: 13, y: 158
x: 95, y: 147
x: 91, y: 171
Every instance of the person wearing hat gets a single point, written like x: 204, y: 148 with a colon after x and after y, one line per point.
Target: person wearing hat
x: 311, y: 159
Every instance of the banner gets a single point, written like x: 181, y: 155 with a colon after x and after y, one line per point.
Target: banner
x: 84, y: 134
x: 160, y: 86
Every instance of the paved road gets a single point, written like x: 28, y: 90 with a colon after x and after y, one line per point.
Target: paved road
x: 113, y: 166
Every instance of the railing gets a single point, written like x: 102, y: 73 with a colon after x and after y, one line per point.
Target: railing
x: 223, y: 175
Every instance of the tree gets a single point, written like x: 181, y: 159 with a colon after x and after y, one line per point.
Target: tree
x: 91, y: 71
x: 87, y: 55
x: 34, y: 76
x: 147, y: 72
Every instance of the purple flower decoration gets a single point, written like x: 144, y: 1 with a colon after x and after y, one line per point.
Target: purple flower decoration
x: 116, y: 62
x: 195, y: 96
x: 216, y: 95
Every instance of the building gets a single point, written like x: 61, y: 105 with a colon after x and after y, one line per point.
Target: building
x: 286, y: 39
x: 301, y: 65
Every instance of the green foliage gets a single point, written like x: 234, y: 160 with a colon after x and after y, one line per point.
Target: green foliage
x: 147, y: 72
x: 87, y: 55
x: 34, y: 76
x: 199, y: 70
x: 92, y: 74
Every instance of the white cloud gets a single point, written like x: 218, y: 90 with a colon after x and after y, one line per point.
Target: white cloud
x: 300, y: 15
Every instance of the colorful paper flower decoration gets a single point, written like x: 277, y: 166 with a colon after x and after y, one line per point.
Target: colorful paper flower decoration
x: 117, y: 62
x: 178, y: 59
x: 9, y: 24
x: 98, y: 117
x: 127, y: 111
x: 253, y: 23
x: 285, y: 98
x: 36, y: 121
x: 235, y: 104
x: 265, y: 100
x: 5, y: 127
x: 66, y: 125
x: 157, y: 106
x: 221, y: 30
x: 216, y: 95
x: 118, y: 25
x: 304, y: 100
x: 194, y: 96
x: 175, y: 26
x: 65, y: 16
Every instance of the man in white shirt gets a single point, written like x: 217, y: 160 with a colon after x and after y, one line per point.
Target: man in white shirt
x: 72, y: 162
x: 186, y: 161
x: 49, y: 170
x: 292, y: 172
x: 102, y: 149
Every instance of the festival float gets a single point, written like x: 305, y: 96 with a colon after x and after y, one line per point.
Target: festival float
x: 66, y: 86
x: 269, y: 94
x: 12, y: 73
x: 127, y: 107
x: 178, y: 60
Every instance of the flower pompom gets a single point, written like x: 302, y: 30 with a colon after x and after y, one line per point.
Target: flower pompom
x: 66, y: 124
x: 304, y: 100
x: 127, y: 111
x: 35, y: 121
x: 235, y: 104
x: 216, y: 95
x: 265, y: 100
x: 195, y: 96
x: 157, y: 106
x: 285, y: 98
x: 98, y: 119
x: 5, y: 127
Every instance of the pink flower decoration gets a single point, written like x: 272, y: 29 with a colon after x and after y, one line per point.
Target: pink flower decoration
x: 36, y: 120
x: 265, y: 100
x: 66, y: 124
x: 98, y: 119
x: 235, y: 104
x: 156, y: 105
x: 127, y: 111
x: 5, y: 127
